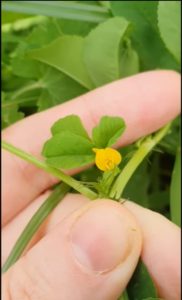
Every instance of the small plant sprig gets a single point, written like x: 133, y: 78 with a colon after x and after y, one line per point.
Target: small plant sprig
x: 71, y: 147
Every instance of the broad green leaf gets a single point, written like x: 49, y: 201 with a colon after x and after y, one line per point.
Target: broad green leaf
x: 24, y: 67
x: 40, y: 36
x: 145, y: 36
x: 65, y: 54
x: 102, y: 49
x: 70, y: 123
x: 57, y: 88
x: 74, y: 27
x: 44, y: 34
x: 108, y: 131
x: 175, y: 191
x: 169, y: 21
x: 129, y: 61
x: 67, y: 150
x: 141, y: 285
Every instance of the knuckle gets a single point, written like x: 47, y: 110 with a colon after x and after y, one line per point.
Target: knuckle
x: 25, y: 282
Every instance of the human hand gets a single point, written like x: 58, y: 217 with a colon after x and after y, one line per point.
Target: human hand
x: 89, y: 250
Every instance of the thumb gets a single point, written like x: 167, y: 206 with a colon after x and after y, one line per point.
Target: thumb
x: 89, y: 255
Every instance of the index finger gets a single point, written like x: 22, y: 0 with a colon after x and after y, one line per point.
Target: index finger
x: 146, y: 102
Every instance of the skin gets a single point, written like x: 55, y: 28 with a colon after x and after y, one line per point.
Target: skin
x: 89, y: 249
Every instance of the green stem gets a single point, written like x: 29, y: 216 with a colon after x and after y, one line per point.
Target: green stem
x: 27, y: 88
x: 56, y: 196
x: 77, y: 185
x: 146, y: 146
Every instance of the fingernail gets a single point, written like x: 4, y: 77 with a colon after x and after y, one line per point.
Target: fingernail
x: 100, y: 238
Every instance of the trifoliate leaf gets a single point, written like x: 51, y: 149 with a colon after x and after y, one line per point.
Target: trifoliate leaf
x: 108, y: 131
x: 67, y: 150
x: 70, y: 123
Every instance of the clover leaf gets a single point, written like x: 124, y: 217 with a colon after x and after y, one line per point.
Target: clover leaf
x: 108, y: 131
x: 70, y: 123
x: 67, y: 150
x: 71, y: 147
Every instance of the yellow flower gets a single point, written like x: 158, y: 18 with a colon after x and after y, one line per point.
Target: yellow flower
x: 107, y: 159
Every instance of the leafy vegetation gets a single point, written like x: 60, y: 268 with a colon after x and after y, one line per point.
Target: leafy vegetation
x: 53, y: 52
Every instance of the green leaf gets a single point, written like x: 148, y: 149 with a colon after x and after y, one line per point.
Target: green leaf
x: 65, y: 54
x: 67, y: 150
x: 102, y: 48
x: 175, y: 190
x: 108, y: 131
x: 58, y: 88
x: 145, y: 35
x: 10, y: 17
x: 169, y: 21
x: 9, y: 114
x: 70, y: 123
x: 141, y: 285
x: 24, y: 67
x: 129, y: 61
x: 74, y: 27
x: 40, y: 36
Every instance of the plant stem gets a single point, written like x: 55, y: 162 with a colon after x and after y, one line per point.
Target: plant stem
x: 77, y: 185
x: 27, y: 88
x: 50, y: 203
x: 146, y: 146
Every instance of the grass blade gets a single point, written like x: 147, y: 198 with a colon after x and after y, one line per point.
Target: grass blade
x: 58, y: 9
x: 175, y: 191
x: 35, y: 222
